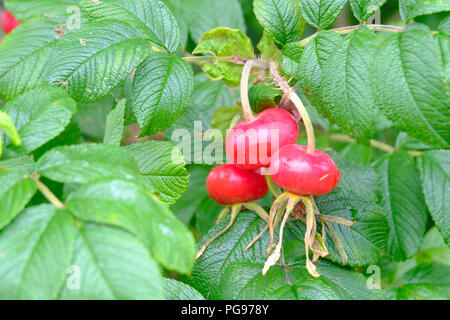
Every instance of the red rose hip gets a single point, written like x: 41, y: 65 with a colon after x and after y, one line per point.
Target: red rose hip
x: 250, y: 144
x: 228, y: 184
x: 9, y: 23
x: 303, y: 173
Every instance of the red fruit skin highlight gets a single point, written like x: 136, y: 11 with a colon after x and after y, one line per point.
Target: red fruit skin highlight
x: 228, y: 184
x: 244, y: 151
x: 302, y: 173
x: 9, y: 22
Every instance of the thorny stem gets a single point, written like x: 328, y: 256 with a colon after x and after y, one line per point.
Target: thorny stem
x: 345, y: 30
x: 374, y: 143
x: 234, y: 212
x: 248, y: 66
x: 47, y: 193
x: 292, y: 95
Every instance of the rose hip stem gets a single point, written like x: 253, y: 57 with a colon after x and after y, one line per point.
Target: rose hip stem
x: 246, y: 72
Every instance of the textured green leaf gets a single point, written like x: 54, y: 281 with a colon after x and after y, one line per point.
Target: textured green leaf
x: 290, y: 58
x: 346, y: 85
x: 335, y: 283
x: 23, y: 10
x: 281, y: 18
x: 94, y: 60
x: 413, y: 8
x: 267, y: 47
x: 363, y: 9
x: 357, y: 153
x: 210, y: 268
x: 207, y: 97
x: 125, y: 204
x: 40, y: 115
x: 262, y: 96
x: 428, y: 281
x: 25, y: 55
x: 162, y: 88
x: 404, y: 141
x: 434, y: 168
x: 364, y: 241
x: 86, y: 162
x: 225, y: 42
x: 403, y: 203
x: 115, y: 124
x: 204, y: 15
x: 153, y: 18
x: 434, y: 249
x: 177, y: 7
x: 164, y: 167
x: 176, y: 290
x: 243, y: 281
x: 36, y: 250
x: 411, y: 85
x: 311, y: 65
x: 7, y: 126
x: 321, y: 13
x: 15, y: 189
x: 112, y: 265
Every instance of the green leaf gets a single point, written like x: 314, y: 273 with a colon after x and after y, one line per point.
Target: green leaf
x: 357, y: 153
x: 125, y: 204
x: 434, y: 168
x: 334, y: 283
x: 225, y: 42
x: 86, y: 162
x: 8, y: 127
x: 204, y: 15
x: 23, y: 10
x: 243, y: 281
x: 164, y: 167
x: 196, y: 201
x: 262, y: 96
x: 223, y: 118
x: 267, y: 47
x: 207, y: 97
x: 403, y: 203
x: 115, y: 124
x: 112, y: 264
x: 311, y: 65
x: 40, y: 115
x: 176, y: 290
x: 321, y: 13
x: 346, y: 85
x: 162, y: 88
x: 210, y: 268
x: 434, y: 249
x: 281, y: 18
x: 91, y: 118
x: 427, y: 281
x: 26, y: 54
x: 364, y: 241
x: 404, y: 141
x: 411, y: 85
x: 15, y: 189
x: 290, y: 58
x: 94, y: 60
x: 152, y: 18
x: 410, y: 9
x: 36, y: 268
x: 177, y: 7
x: 363, y: 9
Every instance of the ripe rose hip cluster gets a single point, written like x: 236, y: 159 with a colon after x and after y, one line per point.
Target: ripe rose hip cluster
x: 296, y: 170
x: 8, y: 22
x: 303, y: 172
